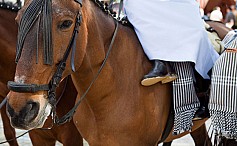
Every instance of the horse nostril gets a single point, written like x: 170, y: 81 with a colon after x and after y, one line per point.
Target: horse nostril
x: 28, y: 107
x: 30, y: 111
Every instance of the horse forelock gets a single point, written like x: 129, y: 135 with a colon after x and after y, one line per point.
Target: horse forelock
x: 36, y: 9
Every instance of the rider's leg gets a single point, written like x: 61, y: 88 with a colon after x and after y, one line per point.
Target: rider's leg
x: 184, y: 90
x: 203, y: 111
x: 185, y: 100
x: 161, y: 71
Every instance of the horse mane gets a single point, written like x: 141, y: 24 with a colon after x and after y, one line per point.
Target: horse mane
x: 105, y: 8
x: 109, y: 11
x: 10, y: 6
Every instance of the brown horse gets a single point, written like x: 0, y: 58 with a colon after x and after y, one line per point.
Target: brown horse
x: 117, y: 110
x: 223, y: 4
x: 40, y: 137
x: 67, y: 133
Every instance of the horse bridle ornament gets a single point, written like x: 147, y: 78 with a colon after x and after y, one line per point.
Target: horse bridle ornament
x: 54, y: 82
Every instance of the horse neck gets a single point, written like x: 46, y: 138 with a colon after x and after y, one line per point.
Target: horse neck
x: 124, y: 62
x: 8, y: 30
x: 8, y: 35
x: 8, y: 24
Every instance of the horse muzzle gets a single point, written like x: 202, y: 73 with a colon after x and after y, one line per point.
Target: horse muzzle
x: 25, y: 116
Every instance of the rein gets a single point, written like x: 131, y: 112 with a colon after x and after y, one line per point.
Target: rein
x: 69, y: 115
x: 3, y: 102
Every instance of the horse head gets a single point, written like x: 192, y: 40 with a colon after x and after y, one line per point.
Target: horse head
x: 47, y: 32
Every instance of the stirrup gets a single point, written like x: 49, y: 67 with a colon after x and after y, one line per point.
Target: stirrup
x: 152, y: 81
x: 169, y: 78
x: 201, y: 114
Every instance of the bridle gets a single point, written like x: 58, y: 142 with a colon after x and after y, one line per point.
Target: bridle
x: 56, y: 78
x: 54, y: 82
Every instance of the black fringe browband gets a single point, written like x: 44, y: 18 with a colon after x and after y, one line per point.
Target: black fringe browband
x: 37, y: 10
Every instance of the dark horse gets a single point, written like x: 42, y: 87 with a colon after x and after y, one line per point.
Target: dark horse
x: 117, y: 110
x: 8, y: 34
x: 67, y: 133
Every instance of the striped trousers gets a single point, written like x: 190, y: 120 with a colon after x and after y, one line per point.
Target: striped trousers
x: 223, y: 97
x: 184, y: 96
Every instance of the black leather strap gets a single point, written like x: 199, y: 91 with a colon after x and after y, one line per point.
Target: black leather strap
x: 70, y: 114
x: 3, y: 102
x: 26, y: 88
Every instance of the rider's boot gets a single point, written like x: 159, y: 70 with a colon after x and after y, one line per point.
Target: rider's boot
x: 203, y: 111
x: 161, y: 71
x: 171, y: 76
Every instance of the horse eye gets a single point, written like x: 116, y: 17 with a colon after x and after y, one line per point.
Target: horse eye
x: 65, y: 24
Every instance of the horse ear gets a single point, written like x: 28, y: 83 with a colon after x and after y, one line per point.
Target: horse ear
x: 79, y: 1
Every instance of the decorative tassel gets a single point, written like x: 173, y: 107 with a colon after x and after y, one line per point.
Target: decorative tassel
x: 29, y: 17
x: 27, y: 21
x: 47, y: 32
